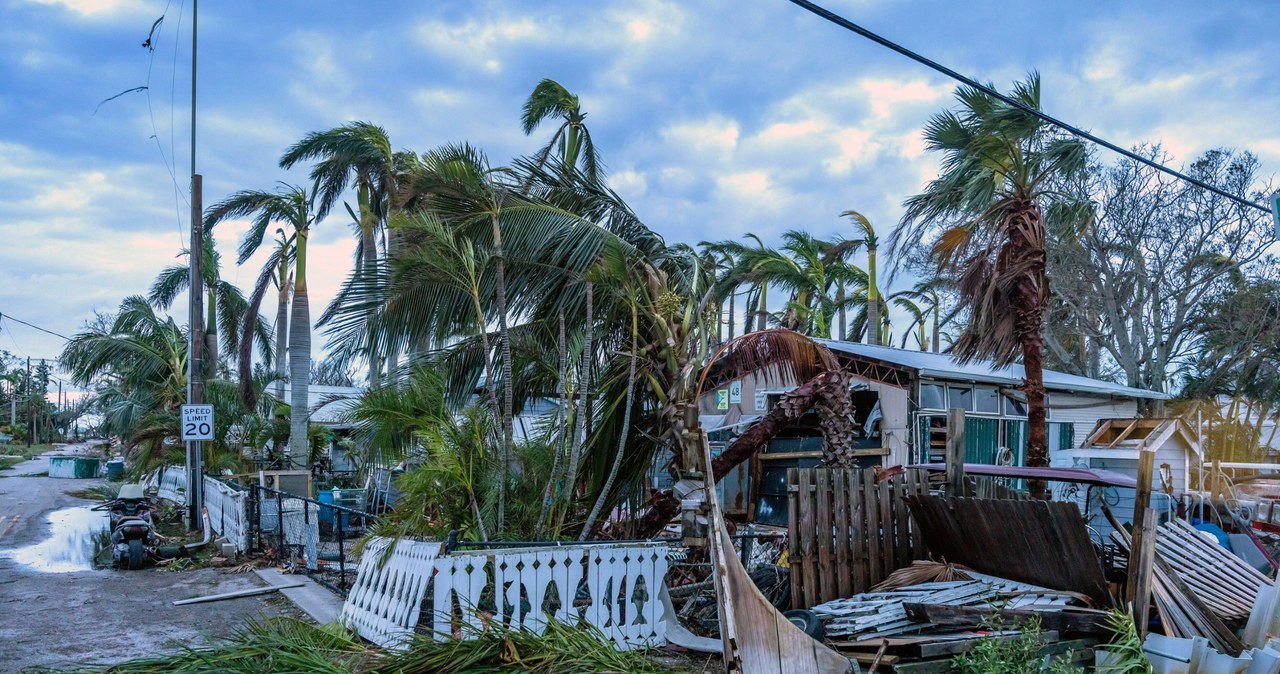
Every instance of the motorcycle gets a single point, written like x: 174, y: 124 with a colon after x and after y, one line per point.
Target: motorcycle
x: 133, y: 538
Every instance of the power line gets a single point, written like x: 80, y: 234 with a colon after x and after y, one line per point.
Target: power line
x: 29, y: 325
x: 851, y: 26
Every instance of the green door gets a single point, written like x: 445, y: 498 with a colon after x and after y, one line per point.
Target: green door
x: 1015, y: 438
x: 981, y: 440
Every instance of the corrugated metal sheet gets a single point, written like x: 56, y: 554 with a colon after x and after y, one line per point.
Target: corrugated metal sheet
x: 943, y: 366
x: 981, y: 440
x: 1029, y: 541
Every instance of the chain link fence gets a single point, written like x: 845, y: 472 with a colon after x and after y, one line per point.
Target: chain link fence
x: 306, y: 535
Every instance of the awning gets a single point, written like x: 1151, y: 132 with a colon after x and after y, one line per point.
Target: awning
x: 1094, y: 476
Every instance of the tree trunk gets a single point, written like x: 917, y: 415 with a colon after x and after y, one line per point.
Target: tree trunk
x: 732, y: 317
x: 762, y: 306
x: 504, y: 339
x: 368, y: 265
x: 282, y: 331
x: 211, y: 333
x: 1031, y: 294
x: 562, y: 417
x: 299, y: 357
x: 873, y: 300
x: 622, y: 437
x: 665, y: 505
x: 581, y: 411
x: 841, y: 313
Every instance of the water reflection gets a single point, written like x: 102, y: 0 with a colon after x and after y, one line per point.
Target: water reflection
x: 76, y: 537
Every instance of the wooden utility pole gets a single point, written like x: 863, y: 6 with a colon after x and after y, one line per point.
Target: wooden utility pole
x: 195, y: 321
x: 955, y: 452
x: 30, y: 408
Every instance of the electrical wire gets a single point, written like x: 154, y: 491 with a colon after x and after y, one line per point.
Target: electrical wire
x: 1075, y: 131
x: 29, y: 325
x: 155, y: 134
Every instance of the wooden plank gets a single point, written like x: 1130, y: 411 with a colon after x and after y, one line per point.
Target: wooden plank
x: 901, y: 529
x: 955, y: 452
x: 826, y: 536
x: 870, y: 505
x: 1084, y: 622
x: 840, y: 495
x: 883, y: 495
x: 794, y: 537
x: 1141, y: 503
x: 858, y: 535
x: 1142, y: 577
x: 808, y: 555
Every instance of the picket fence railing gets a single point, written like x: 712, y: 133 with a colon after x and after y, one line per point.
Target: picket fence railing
x: 612, y: 587
x: 228, y: 512
x: 171, y: 484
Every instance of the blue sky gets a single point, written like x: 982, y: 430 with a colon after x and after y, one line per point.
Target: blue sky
x: 714, y: 118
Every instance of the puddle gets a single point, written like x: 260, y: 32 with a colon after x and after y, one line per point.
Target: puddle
x: 75, y: 538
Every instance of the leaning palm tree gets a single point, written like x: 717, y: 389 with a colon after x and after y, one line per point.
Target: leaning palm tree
x: 293, y: 207
x: 550, y: 100
x: 998, y: 169
x: 810, y: 270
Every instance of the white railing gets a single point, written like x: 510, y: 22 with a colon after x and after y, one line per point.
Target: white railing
x: 227, y: 508
x: 612, y: 587
x: 172, y: 484
x: 385, y: 602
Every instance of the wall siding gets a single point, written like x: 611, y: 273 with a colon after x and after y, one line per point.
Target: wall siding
x: 1068, y: 407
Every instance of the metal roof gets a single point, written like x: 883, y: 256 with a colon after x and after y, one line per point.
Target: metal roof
x: 944, y: 366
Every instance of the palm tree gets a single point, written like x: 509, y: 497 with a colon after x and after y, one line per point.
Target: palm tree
x: 810, y: 270
x: 871, y: 242
x: 550, y: 100
x: 998, y: 169
x: 359, y: 154
x: 225, y: 304
x: 294, y: 207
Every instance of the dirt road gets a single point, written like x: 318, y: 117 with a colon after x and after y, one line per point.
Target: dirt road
x: 83, y: 617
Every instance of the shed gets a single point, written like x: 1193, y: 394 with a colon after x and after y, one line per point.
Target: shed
x: 1115, y: 445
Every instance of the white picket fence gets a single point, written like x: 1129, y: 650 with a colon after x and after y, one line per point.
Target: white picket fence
x: 228, y: 512
x: 613, y: 587
x: 385, y: 602
x: 172, y: 484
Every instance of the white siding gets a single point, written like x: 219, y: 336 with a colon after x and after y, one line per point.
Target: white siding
x: 1085, y: 411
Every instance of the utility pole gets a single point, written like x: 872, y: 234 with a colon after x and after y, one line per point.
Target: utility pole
x: 30, y: 431
x: 195, y: 355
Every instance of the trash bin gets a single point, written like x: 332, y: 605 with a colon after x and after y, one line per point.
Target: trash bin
x: 115, y: 469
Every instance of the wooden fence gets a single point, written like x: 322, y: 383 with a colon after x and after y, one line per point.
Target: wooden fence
x: 847, y: 531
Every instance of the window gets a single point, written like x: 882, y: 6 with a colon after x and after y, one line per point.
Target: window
x: 986, y: 400
x: 932, y: 397
x: 1014, y: 408
x: 960, y: 396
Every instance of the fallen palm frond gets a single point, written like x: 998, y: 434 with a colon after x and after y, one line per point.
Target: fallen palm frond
x: 1127, y: 656
x: 95, y: 493
x: 922, y: 571
x: 561, y: 649
x: 276, y: 645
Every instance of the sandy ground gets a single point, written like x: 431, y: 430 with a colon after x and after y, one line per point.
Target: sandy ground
x: 100, y: 617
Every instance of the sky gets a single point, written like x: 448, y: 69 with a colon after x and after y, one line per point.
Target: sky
x: 714, y: 118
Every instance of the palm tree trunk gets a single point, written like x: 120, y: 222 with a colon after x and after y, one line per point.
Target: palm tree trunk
x: 282, y: 329
x: 581, y: 409
x: 873, y: 300
x: 732, y: 317
x: 562, y: 416
x: 211, y: 333
x: 622, y: 437
x: 762, y: 307
x: 937, y: 326
x: 368, y: 265
x: 299, y: 356
x: 840, y: 302
x: 505, y: 343
x: 665, y: 505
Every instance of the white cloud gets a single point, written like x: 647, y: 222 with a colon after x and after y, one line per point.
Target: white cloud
x: 96, y: 8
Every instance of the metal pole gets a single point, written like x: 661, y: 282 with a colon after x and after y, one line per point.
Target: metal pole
x: 31, y: 431
x: 279, y: 526
x: 342, y: 559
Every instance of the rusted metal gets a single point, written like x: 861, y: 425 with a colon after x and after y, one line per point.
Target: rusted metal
x: 1029, y: 541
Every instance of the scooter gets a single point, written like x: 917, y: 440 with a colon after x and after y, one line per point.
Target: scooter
x: 133, y: 538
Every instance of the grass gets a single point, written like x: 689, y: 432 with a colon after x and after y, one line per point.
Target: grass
x: 291, y: 645
x: 102, y: 492
x: 7, y: 462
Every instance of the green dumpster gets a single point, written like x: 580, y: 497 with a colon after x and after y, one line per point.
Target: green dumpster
x: 73, y: 467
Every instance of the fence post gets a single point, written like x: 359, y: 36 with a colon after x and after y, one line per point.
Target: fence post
x: 342, y: 557
x: 279, y: 525
x: 955, y: 452
x: 251, y: 514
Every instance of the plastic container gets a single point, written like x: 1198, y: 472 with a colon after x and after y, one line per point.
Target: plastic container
x: 115, y: 469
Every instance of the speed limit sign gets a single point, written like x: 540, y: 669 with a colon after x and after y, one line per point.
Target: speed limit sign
x: 197, y: 422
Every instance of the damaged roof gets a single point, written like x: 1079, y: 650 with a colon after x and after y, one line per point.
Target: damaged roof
x: 944, y: 366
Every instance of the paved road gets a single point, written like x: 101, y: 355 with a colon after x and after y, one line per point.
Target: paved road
x: 84, y: 617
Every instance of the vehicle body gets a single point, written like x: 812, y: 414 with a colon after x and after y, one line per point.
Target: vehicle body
x: 133, y: 537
